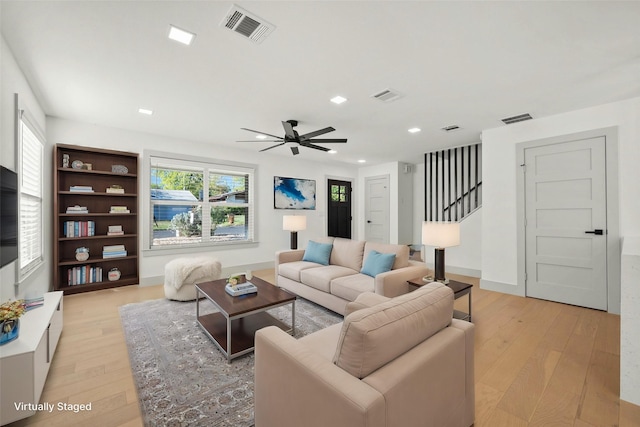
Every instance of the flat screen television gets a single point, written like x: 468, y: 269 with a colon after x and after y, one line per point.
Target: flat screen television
x: 8, y: 216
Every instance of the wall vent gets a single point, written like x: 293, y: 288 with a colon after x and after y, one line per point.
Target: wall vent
x: 451, y: 128
x: 247, y: 24
x: 518, y: 118
x: 386, y: 95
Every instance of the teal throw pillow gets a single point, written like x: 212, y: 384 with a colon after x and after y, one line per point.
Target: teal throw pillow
x: 317, y: 252
x: 377, y: 263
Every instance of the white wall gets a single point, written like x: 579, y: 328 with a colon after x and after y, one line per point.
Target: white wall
x: 499, y: 245
x: 630, y: 321
x: 270, y: 235
x: 12, y: 81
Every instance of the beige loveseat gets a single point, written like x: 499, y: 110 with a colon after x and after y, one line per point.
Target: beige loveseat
x: 401, y: 362
x: 340, y: 282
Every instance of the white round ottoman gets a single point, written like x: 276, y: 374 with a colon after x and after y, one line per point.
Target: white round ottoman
x: 181, y: 275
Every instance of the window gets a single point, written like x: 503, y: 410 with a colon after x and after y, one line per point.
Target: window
x: 30, y: 177
x: 196, y: 203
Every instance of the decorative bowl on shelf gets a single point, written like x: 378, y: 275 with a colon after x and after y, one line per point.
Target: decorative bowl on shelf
x: 122, y: 169
x: 114, y: 274
x: 82, y: 254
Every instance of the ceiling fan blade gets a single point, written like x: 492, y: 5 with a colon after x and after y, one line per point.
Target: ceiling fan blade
x: 263, y: 133
x: 262, y: 140
x: 273, y: 146
x: 316, y: 147
x: 317, y: 133
x: 295, y: 150
x: 288, y: 130
x: 325, y: 141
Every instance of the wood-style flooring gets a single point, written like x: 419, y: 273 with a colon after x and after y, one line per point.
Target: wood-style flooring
x: 538, y: 363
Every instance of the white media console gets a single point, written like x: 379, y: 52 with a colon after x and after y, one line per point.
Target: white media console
x: 24, y: 362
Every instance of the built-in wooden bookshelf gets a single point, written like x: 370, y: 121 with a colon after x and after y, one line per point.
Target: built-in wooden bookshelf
x: 81, y: 178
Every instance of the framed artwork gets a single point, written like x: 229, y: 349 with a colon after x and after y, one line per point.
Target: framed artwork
x: 294, y: 193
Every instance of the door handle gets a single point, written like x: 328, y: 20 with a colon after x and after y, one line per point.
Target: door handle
x: 369, y: 222
x: 597, y: 231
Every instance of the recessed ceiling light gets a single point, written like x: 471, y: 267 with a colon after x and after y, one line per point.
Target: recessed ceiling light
x: 338, y: 99
x: 362, y: 161
x: 414, y: 130
x: 332, y: 151
x: 261, y: 136
x: 181, y: 36
x: 145, y: 111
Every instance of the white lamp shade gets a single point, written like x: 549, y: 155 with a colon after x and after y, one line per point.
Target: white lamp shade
x: 440, y: 234
x: 294, y: 222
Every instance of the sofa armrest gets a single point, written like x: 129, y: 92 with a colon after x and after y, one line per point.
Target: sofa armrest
x: 364, y: 300
x: 288, y: 256
x: 393, y: 283
x: 296, y: 387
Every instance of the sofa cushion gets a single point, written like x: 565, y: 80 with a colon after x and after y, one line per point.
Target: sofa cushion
x: 291, y: 270
x: 372, y: 337
x: 377, y: 263
x: 349, y: 287
x: 317, y: 252
x: 347, y: 253
x: 320, y: 278
x: 401, y: 251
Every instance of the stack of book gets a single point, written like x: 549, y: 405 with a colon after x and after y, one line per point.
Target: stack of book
x: 115, y: 190
x: 113, y: 251
x: 118, y: 209
x: 115, y: 230
x: 32, y: 303
x: 77, y: 209
x: 81, y: 189
x: 84, y: 274
x: 79, y: 228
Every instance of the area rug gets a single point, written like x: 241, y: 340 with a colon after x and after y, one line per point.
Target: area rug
x: 181, y: 376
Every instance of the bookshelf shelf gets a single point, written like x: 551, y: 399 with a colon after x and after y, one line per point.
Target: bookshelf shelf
x: 75, y: 230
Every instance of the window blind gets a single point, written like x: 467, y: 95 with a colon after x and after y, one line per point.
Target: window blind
x: 30, y: 178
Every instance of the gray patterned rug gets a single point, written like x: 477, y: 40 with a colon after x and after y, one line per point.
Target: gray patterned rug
x: 181, y: 376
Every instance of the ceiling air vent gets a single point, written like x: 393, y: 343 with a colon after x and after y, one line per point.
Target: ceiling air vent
x: 386, y: 95
x: 247, y: 24
x: 518, y: 118
x: 451, y: 128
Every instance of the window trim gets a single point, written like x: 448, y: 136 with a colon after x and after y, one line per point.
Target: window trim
x: 220, y: 165
x: 24, y: 117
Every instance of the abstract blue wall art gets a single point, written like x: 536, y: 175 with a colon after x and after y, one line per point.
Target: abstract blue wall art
x: 294, y: 193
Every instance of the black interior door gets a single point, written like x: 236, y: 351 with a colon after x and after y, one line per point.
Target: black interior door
x: 339, y: 216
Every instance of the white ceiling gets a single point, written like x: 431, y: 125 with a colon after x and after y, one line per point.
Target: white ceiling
x: 464, y: 63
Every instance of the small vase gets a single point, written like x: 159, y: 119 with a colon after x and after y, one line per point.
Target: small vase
x: 9, y: 330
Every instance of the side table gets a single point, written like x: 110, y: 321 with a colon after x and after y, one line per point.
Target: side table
x: 459, y: 289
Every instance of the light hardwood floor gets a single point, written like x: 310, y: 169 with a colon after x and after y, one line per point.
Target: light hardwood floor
x: 538, y: 363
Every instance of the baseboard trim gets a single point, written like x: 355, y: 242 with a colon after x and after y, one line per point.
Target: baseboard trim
x: 629, y: 414
x: 505, y: 288
x: 226, y: 272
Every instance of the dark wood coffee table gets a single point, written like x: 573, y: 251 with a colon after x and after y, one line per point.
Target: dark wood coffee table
x: 459, y: 289
x: 232, y: 329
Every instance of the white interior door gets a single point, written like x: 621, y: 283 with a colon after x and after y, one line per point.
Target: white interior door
x: 566, y: 257
x: 377, y: 209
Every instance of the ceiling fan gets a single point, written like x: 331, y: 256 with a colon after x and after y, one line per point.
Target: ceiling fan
x: 291, y: 136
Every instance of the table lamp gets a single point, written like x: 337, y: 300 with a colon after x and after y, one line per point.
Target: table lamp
x: 441, y: 235
x: 294, y: 223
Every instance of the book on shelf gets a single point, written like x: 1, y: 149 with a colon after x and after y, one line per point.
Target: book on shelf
x: 114, y: 228
x: 79, y: 229
x: 117, y: 254
x: 84, y: 274
x: 115, y: 233
x: 32, y: 303
x: 113, y: 248
x: 81, y: 189
x: 113, y: 251
x: 77, y: 209
x: 115, y: 190
x: 119, y: 209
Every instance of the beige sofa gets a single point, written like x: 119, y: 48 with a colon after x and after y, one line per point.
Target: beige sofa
x: 401, y: 362
x: 340, y: 282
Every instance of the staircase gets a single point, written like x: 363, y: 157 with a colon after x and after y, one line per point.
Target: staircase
x: 453, y: 183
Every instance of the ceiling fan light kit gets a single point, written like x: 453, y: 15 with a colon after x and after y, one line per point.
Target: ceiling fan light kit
x: 292, y: 136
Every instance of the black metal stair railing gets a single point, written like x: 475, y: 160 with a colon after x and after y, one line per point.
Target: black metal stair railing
x: 453, y: 183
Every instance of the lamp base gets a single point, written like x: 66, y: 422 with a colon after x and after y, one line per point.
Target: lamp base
x: 294, y: 240
x: 439, y: 265
x: 429, y: 279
